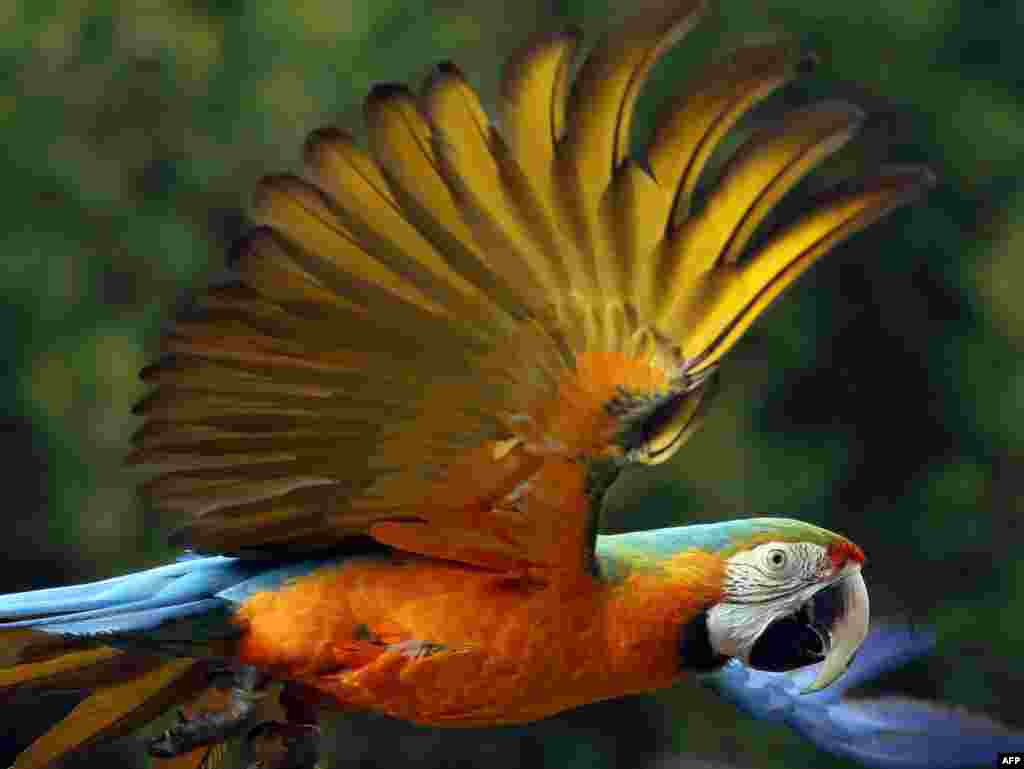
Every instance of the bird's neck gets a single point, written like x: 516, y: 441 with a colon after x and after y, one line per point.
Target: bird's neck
x: 653, y: 605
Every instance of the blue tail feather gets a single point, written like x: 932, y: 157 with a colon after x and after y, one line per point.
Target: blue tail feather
x: 201, y: 590
x: 130, y: 618
x: 161, y: 586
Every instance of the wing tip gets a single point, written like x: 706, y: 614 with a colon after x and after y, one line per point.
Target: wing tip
x: 383, y: 94
x: 442, y: 75
x: 518, y: 64
x: 321, y: 140
x: 902, y: 184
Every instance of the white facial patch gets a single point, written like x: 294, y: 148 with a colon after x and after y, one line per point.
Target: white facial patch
x: 762, y: 585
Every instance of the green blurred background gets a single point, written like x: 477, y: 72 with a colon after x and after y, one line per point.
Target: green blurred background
x: 882, y: 398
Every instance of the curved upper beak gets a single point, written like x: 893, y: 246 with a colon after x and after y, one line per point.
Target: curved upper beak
x: 847, y: 631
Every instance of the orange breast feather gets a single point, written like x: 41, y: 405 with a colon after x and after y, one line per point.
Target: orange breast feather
x: 440, y: 643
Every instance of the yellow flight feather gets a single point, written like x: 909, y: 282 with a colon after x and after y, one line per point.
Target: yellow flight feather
x: 646, y: 206
x: 330, y: 250
x: 114, y: 710
x: 24, y: 645
x: 598, y: 134
x: 470, y: 155
x: 750, y: 288
x: 763, y: 170
x: 401, y: 141
x: 534, y: 90
x: 540, y: 74
x: 58, y: 671
x: 688, y: 131
x: 360, y: 195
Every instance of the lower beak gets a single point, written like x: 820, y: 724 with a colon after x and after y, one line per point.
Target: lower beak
x: 847, y: 629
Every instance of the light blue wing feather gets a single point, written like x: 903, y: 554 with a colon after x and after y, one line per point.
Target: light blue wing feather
x: 888, y: 732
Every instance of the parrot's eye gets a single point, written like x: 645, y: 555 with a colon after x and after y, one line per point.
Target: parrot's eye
x: 775, y: 560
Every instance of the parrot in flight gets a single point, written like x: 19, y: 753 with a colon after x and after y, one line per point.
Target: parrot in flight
x: 388, y: 436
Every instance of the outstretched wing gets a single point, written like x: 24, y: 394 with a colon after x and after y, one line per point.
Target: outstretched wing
x: 884, y: 732
x: 425, y: 339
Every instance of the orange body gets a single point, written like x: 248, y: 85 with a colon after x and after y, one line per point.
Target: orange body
x: 471, y: 637
x: 494, y: 648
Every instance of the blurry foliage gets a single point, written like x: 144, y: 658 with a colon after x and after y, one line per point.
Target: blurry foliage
x: 882, y: 398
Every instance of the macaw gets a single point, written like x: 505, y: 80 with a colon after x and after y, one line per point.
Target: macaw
x: 389, y: 435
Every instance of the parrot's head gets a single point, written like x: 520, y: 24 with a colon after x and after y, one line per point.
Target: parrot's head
x: 783, y: 594
x: 793, y: 595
